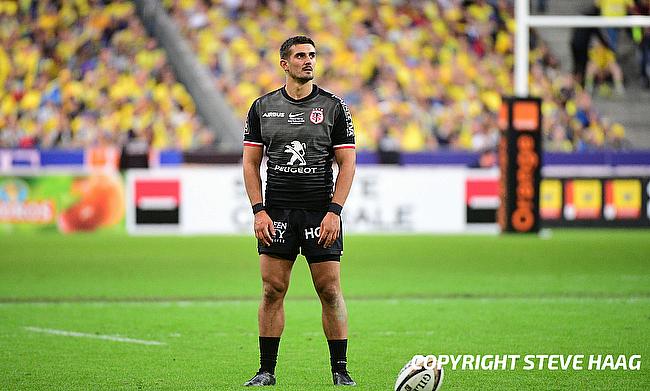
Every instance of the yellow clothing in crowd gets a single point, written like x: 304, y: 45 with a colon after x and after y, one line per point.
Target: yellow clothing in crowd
x: 614, y: 7
x: 601, y: 56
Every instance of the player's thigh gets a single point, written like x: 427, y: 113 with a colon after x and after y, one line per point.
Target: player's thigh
x: 326, y: 275
x: 275, y: 271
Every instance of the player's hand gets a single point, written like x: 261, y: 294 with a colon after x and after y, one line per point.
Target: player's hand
x: 263, y: 226
x: 330, y: 228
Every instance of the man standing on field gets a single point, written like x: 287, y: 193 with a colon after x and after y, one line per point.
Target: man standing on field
x: 303, y: 128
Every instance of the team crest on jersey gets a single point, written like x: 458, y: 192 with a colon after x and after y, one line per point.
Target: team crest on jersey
x: 316, y: 116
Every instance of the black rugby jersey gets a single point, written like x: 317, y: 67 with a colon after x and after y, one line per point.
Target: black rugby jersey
x: 300, y: 137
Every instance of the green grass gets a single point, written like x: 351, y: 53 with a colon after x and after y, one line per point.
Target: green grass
x: 577, y: 292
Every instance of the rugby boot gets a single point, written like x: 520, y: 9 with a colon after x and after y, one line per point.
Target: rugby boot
x: 261, y: 378
x: 342, y: 379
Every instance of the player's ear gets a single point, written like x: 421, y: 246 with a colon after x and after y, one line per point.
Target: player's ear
x: 284, y: 64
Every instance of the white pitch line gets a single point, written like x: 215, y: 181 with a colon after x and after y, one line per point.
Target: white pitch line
x: 94, y: 336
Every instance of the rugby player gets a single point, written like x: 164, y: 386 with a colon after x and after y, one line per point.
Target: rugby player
x: 302, y: 128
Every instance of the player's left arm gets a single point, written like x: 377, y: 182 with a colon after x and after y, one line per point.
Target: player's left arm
x: 346, y: 158
x: 330, y: 227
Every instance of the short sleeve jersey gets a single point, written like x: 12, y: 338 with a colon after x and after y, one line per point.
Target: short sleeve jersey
x: 300, y: 137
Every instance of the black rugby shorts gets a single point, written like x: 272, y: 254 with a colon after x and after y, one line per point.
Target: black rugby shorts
x: 297, y: 232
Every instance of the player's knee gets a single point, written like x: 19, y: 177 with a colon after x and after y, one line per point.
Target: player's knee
x: 329, y: 294
x: 274, y: 291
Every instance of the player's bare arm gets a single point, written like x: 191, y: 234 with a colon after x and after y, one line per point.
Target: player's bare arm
x: 263, y: 225
x: 330, y: 227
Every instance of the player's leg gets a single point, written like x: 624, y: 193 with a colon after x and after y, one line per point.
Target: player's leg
x: 326, y: 276
x: 276, y: 273
x: 327, y: 282
x: 276, y: 261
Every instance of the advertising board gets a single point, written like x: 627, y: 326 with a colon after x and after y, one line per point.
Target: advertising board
x: 572, y: 201
x: 61, y: 202
x: 213, y: 200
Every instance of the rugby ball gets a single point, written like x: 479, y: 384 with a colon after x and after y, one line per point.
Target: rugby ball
x: 420, y: 374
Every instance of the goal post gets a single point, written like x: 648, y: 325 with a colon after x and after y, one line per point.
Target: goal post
x: 520, y: 122
x: 524, y: 21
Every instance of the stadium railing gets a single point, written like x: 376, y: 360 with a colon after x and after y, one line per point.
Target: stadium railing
x: 79, y: 158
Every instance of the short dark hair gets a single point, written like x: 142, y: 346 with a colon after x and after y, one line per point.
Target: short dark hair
x: 285, y: 49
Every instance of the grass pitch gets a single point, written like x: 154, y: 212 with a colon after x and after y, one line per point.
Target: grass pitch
x: 115, y: 312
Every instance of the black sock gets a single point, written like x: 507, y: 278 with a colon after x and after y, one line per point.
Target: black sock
x: 338, y: 359
x: 269, y: 353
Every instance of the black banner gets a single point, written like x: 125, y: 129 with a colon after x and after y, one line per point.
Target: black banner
x: 520, y: 161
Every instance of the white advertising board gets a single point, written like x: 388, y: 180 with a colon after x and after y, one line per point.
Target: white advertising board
x: 213, y: 201
x: 399, y: 199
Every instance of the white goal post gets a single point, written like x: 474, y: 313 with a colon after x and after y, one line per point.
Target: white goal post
x: 525, y: 21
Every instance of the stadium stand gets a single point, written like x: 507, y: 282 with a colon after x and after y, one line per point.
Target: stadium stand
x: 83, y: 73
x: 418, y: 75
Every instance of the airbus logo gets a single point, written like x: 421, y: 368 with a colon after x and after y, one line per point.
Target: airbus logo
x: 273, y: 114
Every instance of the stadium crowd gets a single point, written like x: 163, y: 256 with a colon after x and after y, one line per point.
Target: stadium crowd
x: 417, y: 75
x: 84, y: 73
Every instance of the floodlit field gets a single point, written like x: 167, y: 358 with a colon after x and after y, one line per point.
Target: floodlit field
x: 114, y: 312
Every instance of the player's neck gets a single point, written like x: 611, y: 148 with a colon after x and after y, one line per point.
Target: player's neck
x: 298, y: 90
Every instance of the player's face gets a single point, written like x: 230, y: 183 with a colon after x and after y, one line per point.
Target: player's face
x: 301, y: 62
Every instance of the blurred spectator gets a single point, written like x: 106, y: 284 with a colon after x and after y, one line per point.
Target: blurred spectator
x: 580, y: 42
x: 602, y: 66
x: 644, y: 48
x: 642, y: 38
x: 487, y: 158
x: 614, y: 8
x: 388, y: 148
x: 135, y: 149
x: 616, y: 136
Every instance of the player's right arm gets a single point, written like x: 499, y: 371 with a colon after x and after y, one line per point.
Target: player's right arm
x: 263, y: 224
x: 252, y: 162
